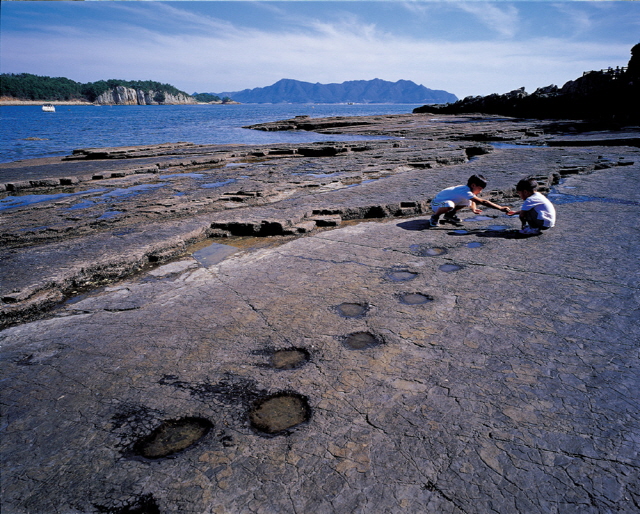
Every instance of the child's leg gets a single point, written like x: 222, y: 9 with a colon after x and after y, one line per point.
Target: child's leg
x: 438, y: 210
x: 530, y: 218
x: 441, y: 207
x: 442, y: 210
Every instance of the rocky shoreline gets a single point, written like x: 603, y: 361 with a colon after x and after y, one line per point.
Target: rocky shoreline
x: 121, y: 197
x: 149, y: 289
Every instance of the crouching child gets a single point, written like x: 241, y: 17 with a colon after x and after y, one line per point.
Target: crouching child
x: 449, y: 201
x: 537, y: 212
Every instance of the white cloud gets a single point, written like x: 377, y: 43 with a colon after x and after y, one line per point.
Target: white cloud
x: 214, y: 55
x: 500, y: 19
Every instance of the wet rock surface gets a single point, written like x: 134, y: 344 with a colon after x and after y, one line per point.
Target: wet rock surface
x: 508, y: 385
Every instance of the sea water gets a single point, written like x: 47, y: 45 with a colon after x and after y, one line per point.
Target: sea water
x: 27, y: 132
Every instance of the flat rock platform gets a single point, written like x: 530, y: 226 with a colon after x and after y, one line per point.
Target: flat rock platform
x: 362, y: 363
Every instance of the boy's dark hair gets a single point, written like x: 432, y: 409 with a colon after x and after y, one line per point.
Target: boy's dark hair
x: 477, y: 180
x: 527, y: 184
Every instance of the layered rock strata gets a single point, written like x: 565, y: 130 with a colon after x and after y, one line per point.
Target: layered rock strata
x: 148, y: 203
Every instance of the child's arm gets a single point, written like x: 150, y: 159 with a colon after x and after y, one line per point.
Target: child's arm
x: 475, y: 200
x: 513, y: 213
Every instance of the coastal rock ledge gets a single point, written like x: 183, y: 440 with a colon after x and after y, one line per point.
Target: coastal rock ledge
x: 277, y: 328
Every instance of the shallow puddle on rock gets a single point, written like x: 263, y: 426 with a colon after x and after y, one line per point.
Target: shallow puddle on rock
x: 276, y: 413
x: 172, y: 436
x: 352, y: 310
x: 474, y: 244
x: 560, y: 198
x: 479, y: 218
x: 213, y: 185
x: 448, y: 268
x: 361, y: 341
x: 415, y: 298
x: 401, y: 276
x: 127, y: 192
x: 290, y: 358
x: 213, y: 254
x: 460, y: 232
x: 18, y: 200
x: 180, y: 175
x: 110, y: 214
x: 497, y: 228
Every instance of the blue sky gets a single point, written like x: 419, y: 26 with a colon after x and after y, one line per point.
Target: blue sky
x: 466, y: 48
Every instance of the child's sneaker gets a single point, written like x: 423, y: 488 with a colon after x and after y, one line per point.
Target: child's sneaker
x: 434, y: 221
x: 451, y: 217
x: 529, y: 231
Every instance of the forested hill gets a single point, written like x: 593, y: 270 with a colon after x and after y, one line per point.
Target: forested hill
x: 24, y: 86
x: 356, y: 91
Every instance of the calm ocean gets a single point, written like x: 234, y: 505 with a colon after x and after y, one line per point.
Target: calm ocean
x: 26, y: 132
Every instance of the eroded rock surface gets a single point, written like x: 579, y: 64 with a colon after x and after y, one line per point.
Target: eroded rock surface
x: 104, y: 213
x: 508, y: 384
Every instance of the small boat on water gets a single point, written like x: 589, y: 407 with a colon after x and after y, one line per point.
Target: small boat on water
x: 48, y: 108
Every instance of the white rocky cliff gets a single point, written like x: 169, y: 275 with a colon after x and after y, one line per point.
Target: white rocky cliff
x: 128, y: 96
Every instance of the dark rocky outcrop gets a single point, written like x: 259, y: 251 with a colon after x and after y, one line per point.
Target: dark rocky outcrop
x: 357, y: 91
x: 607, y: 95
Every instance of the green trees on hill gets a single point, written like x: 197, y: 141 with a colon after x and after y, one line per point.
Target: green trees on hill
x: 25, y: 86
x: 32, y: 87
x: 206, y: 97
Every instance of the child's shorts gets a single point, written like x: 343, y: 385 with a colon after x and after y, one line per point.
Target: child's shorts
x: 446, y: 203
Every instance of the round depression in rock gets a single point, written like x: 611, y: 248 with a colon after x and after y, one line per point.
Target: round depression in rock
x: 361, y: 341
x: 401, y: 276
x: 434, y: 252
x: 172, y: 436
x: 289, y: 358
x: 415, y: 298
x: 352, y: 310
x: 276, y: 413
x: 449, y: 268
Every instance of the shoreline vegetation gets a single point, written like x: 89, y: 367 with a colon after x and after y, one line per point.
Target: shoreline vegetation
x: 26, y: 87
x: 5, y: 101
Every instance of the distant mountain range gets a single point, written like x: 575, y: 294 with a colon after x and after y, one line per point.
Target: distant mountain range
x: 354, y: 91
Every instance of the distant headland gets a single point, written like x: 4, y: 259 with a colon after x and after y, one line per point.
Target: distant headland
x: 25, y: 88
x: 609, y: 95
x: 353, y: 91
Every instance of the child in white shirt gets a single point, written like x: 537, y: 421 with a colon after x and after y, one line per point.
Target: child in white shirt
x: 451, y: 200
x: 537, y: 212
